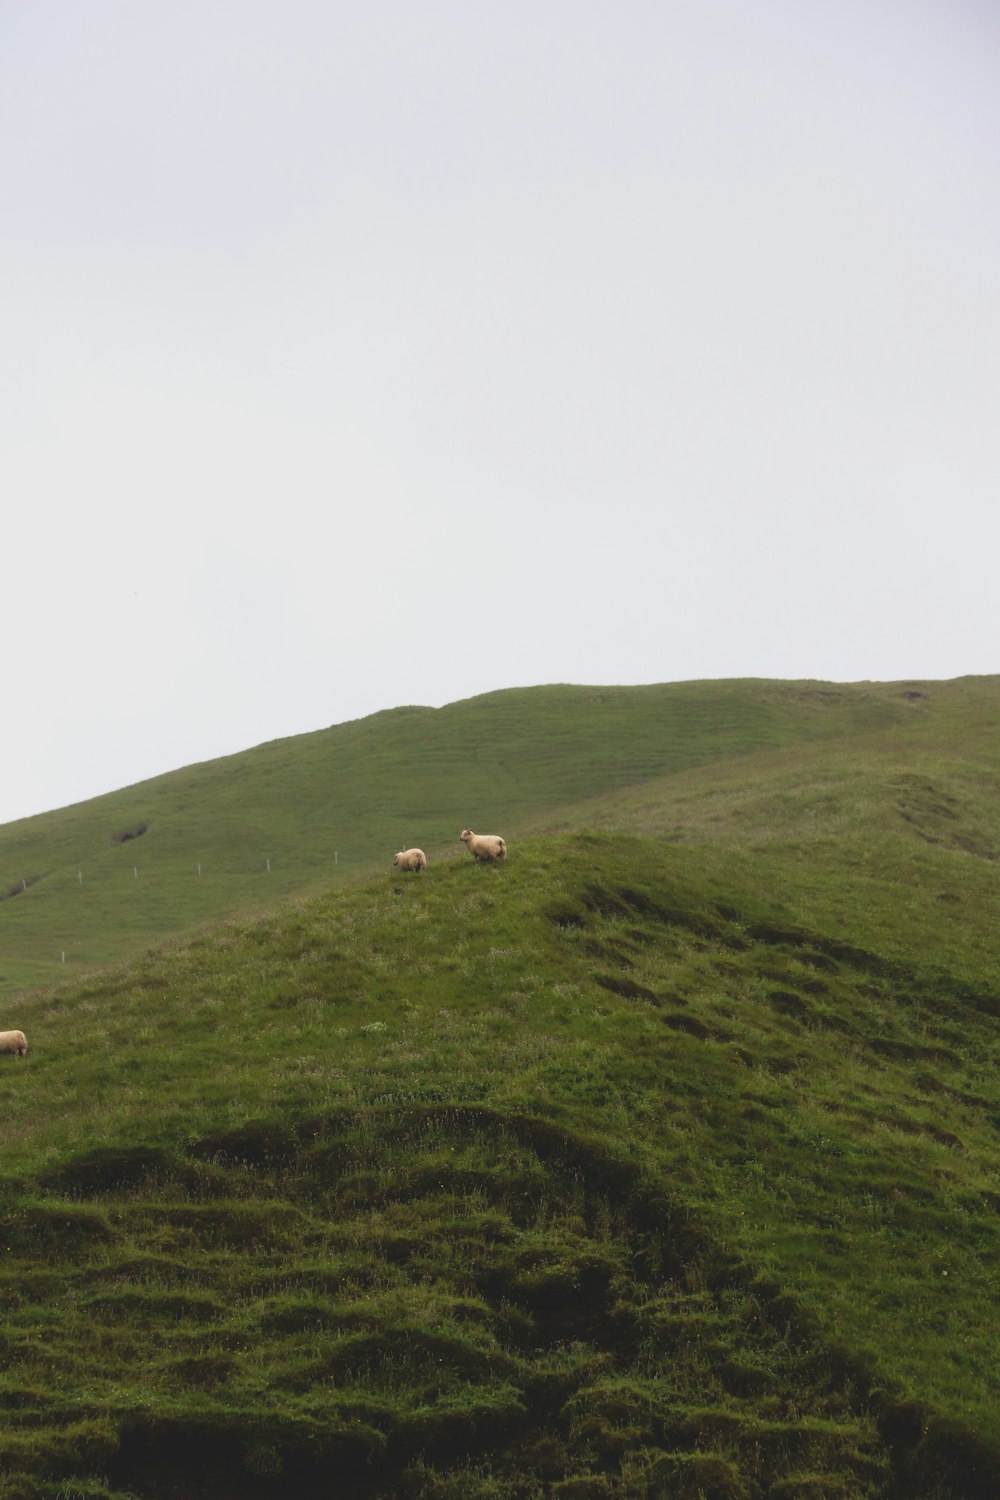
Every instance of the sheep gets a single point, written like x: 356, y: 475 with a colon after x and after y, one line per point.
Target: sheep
x: 13, y: 1041
x: 410, y: 859
x: 485, y: 846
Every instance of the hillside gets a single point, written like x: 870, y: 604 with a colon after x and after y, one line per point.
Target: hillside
x: 105, y: 879
x: 661, y: 1161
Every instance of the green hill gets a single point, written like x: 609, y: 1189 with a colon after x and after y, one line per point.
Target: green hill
x: 105, y: 879
x: 661, y: 1161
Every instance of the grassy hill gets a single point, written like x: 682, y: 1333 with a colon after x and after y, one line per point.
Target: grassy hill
x: 102, y: 880
x: 661, y: 1161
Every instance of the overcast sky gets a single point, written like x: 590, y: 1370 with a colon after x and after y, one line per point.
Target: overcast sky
x: 394, y: 351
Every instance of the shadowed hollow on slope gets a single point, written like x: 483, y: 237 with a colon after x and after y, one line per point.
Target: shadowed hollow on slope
x: 450, y: 1301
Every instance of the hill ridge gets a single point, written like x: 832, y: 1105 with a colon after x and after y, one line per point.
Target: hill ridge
x: 293, y: 814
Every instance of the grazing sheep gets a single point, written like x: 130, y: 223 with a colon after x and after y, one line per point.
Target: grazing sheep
x: 410, y: 859
x: 13, y: 1041
x: 484, y: 846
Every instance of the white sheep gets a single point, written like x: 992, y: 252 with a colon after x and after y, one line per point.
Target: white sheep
x: 484, y: 846
x: 13, y: 1041
x: 410, y: 859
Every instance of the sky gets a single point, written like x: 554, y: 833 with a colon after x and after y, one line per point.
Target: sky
x: 363, y: 354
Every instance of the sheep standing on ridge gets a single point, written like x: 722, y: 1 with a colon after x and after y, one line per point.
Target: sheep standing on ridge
x: 410, y: 859
x: 485, y: 846
x: 13, y: 1041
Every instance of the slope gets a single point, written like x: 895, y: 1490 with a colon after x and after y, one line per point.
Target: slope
x: 599, y: 1174
x: 88, y: 885
x: 894, y: 836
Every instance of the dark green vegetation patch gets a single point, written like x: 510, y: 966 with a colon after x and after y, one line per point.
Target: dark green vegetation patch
x: 452, y: 1309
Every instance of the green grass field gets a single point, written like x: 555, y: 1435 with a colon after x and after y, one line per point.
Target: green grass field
x: 661, y: 1161
x: 326, y: 808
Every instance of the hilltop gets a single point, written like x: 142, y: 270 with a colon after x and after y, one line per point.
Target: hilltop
x: 91, y: 884
x: 661, y: 1161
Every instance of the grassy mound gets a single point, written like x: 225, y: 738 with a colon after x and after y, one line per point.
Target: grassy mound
x: 611, y: 1171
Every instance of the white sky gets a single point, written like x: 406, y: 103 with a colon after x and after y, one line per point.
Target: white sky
x: 383, y: 352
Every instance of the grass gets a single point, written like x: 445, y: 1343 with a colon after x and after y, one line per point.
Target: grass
x: 300, y: 815
x: 660, y: 1161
